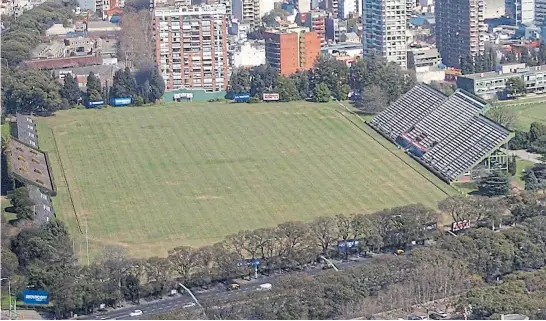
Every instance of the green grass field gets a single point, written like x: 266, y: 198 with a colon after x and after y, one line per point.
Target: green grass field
x: 152, y: 178
x: 528, y: 113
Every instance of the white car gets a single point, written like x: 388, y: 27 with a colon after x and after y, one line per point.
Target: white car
x: 188, y: 305
x: 136, y: 313
x: 265, y: 287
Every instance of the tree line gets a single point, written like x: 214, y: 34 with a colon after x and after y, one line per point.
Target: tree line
x: 40, y: 92
x: 38, y: 255
x: 328, y: 78
x: 534, y: 140
x: 466, y: 265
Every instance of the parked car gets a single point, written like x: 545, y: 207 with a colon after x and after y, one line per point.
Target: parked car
x: 234, y: 286
x: 136, y: 313
x: 416, y: 317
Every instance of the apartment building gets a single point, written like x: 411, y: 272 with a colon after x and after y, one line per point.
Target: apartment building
x: 384, y: 30
x: 226, y: 3
x: 304, y: 6
x: 251, y: 11
x: 492, y: 84
x: 316, y: 21
x: 347, y: 7
x: 170, y: 3
x: 332, y: 6
x: 540, y: 12
x: 520, y: 11
x: 291, y: 49
x: 460, y: 30
x: 191, y: 46
x: 423, y: 59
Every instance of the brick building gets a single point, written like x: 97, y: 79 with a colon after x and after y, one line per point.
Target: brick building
x: 292, y: 49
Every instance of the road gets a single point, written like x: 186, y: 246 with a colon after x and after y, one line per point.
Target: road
x: 174, y: 303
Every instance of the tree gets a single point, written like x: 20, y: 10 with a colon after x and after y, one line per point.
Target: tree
x: 150, y: 83
x: 515, y: 86
x: 321, y: 93
x: 31, y: 91
x: 504, y: 116
x: 331, y: 72
x: 373, y: 100
x: 324, y: 231
x: 93, y: 87
x: 286, y: 88
x: 184, y: 260
x: 22, y: 204
x: 124, y: 85
x: 70, y: 90
x: 301, y: 79
x: 344, y: 91
x: 135, y: 39
x: 531, y: 181
x: 495, y: 184
x: 239, y: 82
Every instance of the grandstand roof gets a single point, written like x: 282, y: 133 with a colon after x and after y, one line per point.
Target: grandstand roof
x: 449, y: 135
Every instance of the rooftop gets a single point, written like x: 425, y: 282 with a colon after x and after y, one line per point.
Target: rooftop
x: 30, y: 165
x: 500, y: 73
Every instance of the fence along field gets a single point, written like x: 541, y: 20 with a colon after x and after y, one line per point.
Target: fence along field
x: 153, y: 178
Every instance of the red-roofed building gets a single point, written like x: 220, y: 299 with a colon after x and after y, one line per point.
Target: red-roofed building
x: 67, y: 62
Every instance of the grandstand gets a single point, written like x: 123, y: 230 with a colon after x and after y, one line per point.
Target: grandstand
x: 449, y: 135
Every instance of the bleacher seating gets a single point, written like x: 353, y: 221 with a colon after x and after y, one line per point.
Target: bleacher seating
x: 460, y: 151
x: 448, y: 135
x: 409, y: 109
x: 449, y: 118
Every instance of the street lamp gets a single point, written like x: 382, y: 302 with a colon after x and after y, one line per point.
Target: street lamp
x: 9, y: 293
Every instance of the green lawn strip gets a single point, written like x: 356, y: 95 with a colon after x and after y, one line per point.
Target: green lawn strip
x: 522, y: 165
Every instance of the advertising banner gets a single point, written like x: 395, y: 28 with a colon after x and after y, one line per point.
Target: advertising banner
x: 35, y: 297
x: 270, y: 97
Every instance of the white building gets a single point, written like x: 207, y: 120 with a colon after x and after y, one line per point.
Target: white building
x: 346, y: 7
x: 248, y: 55
x: 384, y: 30
x: 304, y: 6
x: 520, y: 11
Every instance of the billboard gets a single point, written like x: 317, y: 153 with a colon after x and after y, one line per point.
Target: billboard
x: 92, y: 104
x: 121, y: 101
x: 35, y: 297
x: 183, y: 97
x: 241, y: 97
x: 270, y: 97
x: 460, y: 225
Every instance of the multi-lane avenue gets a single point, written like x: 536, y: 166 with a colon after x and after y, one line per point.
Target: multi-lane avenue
x: 179, y: 301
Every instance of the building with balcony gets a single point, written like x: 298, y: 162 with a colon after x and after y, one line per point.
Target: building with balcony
x: 460, y: 30
x: 384, y: 30
x: 493, y: 84
x: 316, y: 21
x: 540, y: 12
x: 292, y: 49
x: 251, y: 11
x: 332, y: 6
x: 191, y: 46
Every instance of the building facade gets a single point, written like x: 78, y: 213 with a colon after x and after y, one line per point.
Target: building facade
x: 384, y: 30
x: 316, y: 21
x: 247, y: 11
x: 540, y: 12
x: 191, y: 46
x: 304, y: 6
x: 423, y: 59
x: 460, y: 30
x: 346, y: 7
x: 292, y: 49
x: 520, y: 11
x: 493, y: 84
